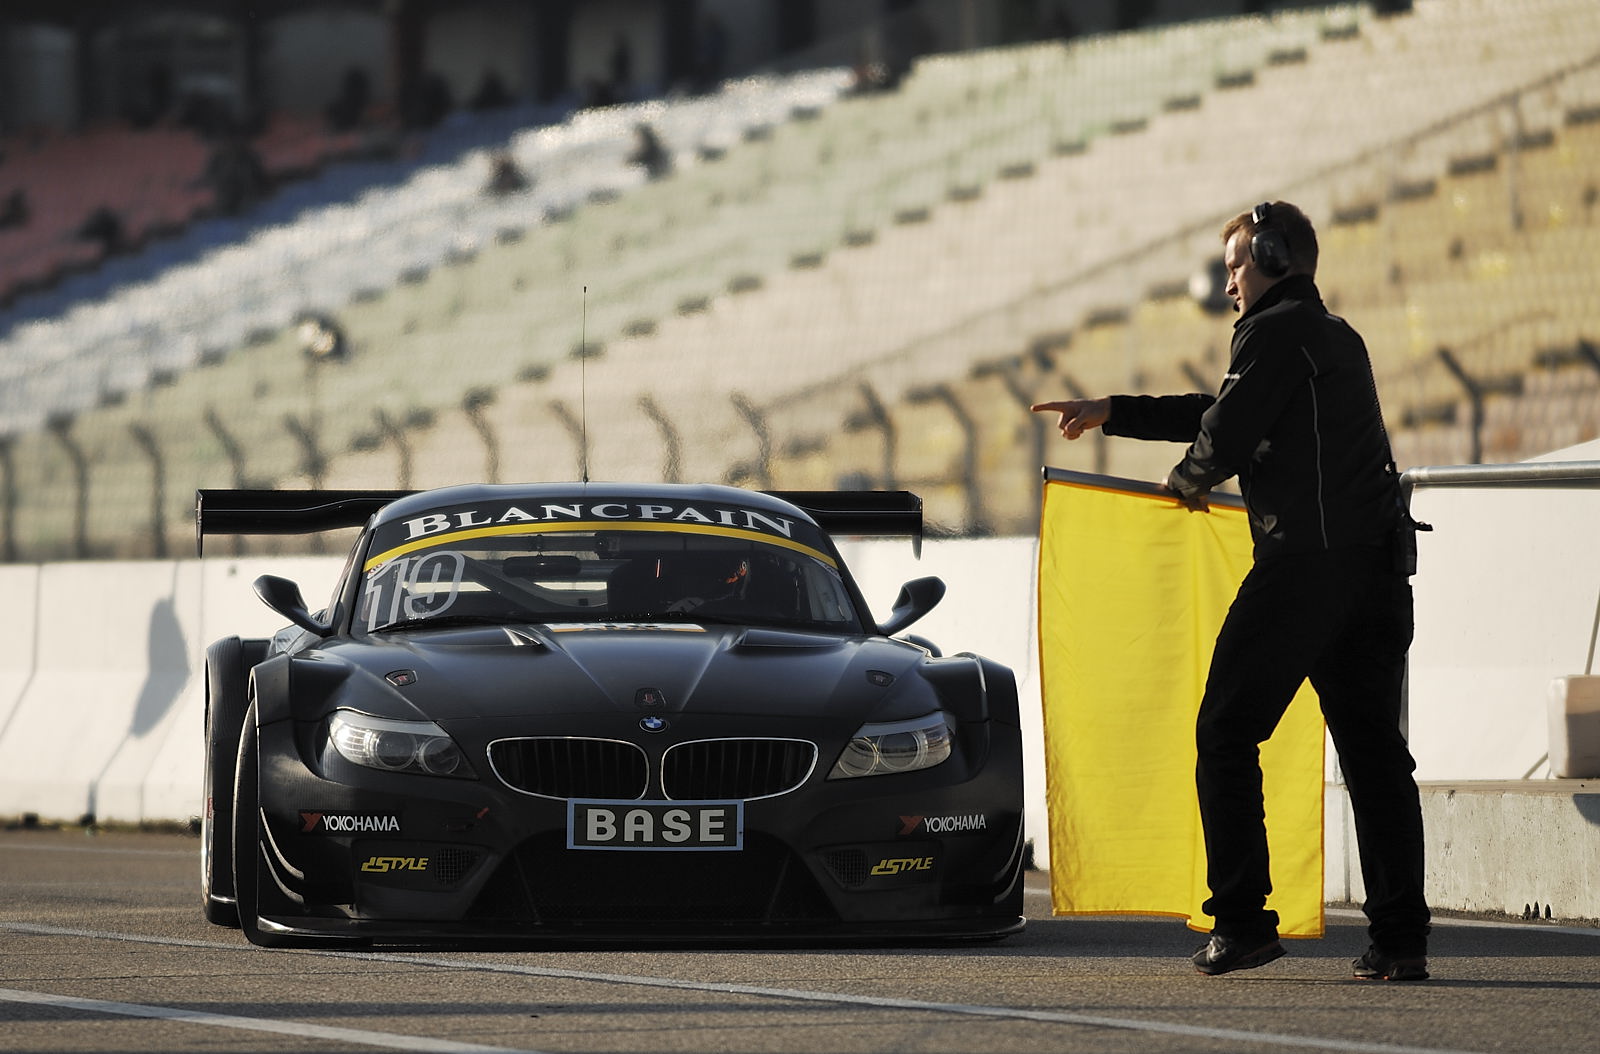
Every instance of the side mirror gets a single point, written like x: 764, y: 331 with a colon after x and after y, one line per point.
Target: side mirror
x: 283, y: 596
x: 917, y: 597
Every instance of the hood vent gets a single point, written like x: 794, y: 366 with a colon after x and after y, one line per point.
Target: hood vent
x: 777, y: 638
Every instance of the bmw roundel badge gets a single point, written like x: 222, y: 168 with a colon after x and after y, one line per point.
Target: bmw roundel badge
x: 653, y: 723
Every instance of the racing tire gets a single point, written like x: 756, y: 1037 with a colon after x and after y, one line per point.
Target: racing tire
x: 228, y: 664
x: 246, y: 840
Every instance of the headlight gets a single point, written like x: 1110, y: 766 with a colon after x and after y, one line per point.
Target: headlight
x: 397, y: 746
x: 898, y: 746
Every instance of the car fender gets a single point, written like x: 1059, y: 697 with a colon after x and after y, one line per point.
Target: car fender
x: 1000, y: 691
x: 228, y: 664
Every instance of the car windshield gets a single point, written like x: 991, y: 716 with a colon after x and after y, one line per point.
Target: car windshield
x: 544, y: 575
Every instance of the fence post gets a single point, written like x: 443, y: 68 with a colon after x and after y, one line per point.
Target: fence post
x: 60, y: 426
x: 8, y: 502
x: 396, y: 435
x: 671, y: 469
x: 580, y: 435
x: 758, y: 424
x: 158, y: 488
x: 977, y: 522
x: 473, y: 405
x: 875, y: 415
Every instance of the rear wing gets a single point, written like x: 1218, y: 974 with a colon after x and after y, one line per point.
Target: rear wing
x: 869, y: 513
x: 864, y: 513
x: 284, y: 511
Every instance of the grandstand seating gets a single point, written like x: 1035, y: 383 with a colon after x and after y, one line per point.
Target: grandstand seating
x: 862, y: 290
x: 150, y: 181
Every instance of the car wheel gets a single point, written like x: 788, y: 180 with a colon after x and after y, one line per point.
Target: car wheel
x: 228, y: 664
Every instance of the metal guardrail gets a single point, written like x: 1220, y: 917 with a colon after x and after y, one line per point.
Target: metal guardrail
x: 1580, y: 474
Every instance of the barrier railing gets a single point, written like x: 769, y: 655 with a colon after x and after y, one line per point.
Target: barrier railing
x: 1522, y: 474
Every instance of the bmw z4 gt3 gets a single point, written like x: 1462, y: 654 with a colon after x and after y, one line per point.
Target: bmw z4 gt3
x: 602, y: 712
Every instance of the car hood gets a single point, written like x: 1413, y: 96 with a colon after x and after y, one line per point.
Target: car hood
x: 513, y: 671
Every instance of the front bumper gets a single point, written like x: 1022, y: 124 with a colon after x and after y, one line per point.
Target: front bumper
x: 374, y: 857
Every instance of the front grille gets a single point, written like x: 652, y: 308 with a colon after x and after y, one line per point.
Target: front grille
x: 564, y: 767
x: 543, y: 882
x: 722, y: 769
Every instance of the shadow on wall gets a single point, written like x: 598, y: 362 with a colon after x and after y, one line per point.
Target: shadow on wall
x: 1588, y: 806
x: 167, y: 654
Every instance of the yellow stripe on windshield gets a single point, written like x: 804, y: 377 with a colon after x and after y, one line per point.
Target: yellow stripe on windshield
x: 571, y: 526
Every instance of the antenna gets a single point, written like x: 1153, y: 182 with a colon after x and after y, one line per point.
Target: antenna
x: 583, y: 385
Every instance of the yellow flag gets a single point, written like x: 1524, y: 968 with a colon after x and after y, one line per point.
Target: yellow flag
x: 1133, y: 588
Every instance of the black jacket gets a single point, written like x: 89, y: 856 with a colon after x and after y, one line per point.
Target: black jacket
x: 1296, y: 419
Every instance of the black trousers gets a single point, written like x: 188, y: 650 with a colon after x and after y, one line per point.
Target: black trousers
x: 1344, y: 620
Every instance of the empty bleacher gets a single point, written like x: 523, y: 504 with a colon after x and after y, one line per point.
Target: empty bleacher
x: 866, y: 290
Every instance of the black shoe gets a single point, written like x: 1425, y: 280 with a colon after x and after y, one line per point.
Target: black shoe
x: 1380, y: 966
x: 1225, y: 954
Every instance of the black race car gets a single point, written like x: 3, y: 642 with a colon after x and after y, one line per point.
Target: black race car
x: 608, y: 712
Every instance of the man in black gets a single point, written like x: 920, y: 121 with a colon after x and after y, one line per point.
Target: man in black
x: 1297, y: 421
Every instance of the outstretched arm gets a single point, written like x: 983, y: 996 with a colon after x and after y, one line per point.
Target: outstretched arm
x: 1077, y: 415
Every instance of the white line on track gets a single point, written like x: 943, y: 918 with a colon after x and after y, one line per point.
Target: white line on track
x: 1273, y: 1040
x: 111, y: 850
x: 386, y: 1040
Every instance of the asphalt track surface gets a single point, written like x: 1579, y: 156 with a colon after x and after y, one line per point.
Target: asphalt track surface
x: 103, y: 948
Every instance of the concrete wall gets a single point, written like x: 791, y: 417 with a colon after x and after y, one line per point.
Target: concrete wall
x: 1507, y: 592
x: 102, y: 687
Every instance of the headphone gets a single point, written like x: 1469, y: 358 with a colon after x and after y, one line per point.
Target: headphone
x: 1268, y: 247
